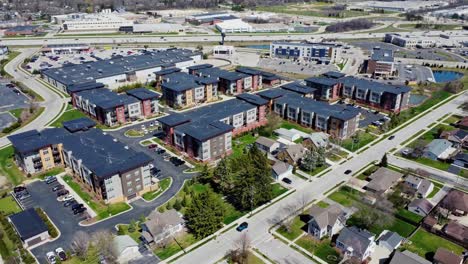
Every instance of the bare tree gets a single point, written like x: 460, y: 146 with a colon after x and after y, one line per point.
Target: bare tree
x: 103, y: 241
x: 80, y: 244
x: 243, y: 244
x: 302, y: 201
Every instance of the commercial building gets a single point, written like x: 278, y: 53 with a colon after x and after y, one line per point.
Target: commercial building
x: 120, y: 70
x: 206, y: 133
x: 381, y: 62
x: 333, y: 86
x: 209, y: 18
x: 324, y: 53
x: 181, y: 90
x: 234, y: 26
x: 22, y: 31
x: 428, y: 41
x: 152, y: 28
x: 397, y: 6
x: 112, y: 109
x: 70, y: 48
x: 104, y: 20
x: 337, y: 120
x: 104, y: 167
x: 29, y: 226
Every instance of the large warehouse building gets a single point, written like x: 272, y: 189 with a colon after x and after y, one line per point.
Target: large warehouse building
x: 120, y: 70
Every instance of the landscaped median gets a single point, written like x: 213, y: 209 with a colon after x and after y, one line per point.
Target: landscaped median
x: 102, y: 210
x: 164, y: 184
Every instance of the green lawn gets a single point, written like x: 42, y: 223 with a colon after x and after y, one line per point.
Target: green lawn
x: 399, y: 226
x: 317, y: 170
x: 346, y: 196
x: 8, y: 166
x: 239, y: 144
x: 362, y: 140
x: 8, y: 205
x: 163, y: 185
x: 434, y: 192
x: 134, y: 133
x: 452, y: 119
x: 51, y: 172
x: 290, y: 125
x: 172, y: 248
x: 135, y: 235
x: 323, y: 204
x: 295, y: 230
x: 321, y: 249
x: 425, y: 244
x: 67, y: 116
x: 16, y: 112
x: 102, y: 210
x: 407, y: 215
x: 278, y: 190
x: 433, y: 163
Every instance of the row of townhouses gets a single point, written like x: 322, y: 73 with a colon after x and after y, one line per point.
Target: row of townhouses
x: 105, y: 167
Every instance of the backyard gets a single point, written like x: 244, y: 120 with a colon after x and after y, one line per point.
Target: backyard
x: 321, y: 249
x: 239, y: 144
x: 426, y: 244
x: 355, y: 143
x: 102, y: 210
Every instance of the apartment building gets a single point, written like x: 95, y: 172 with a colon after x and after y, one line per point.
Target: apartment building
x: 257, y: 77
x: 103, y: 166
x: 381, y: 63
x: 206, y: 133
x: 340, y: 121
x: 334, y: 86
x: 159, y: 75
x: 148, y: 101
x: 121, y: 70
x: 231, y: 83
x: 110, y: 108
x: 324, y: 53
x: 181, y: 90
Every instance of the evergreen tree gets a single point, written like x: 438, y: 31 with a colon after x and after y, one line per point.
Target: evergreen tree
x: 177, y: 205
x: 309, y: 161
x: 205, y: 215
x: 223, y: 177
x: 205, y: 175
x: 320, y: 157
x: 384, y: 162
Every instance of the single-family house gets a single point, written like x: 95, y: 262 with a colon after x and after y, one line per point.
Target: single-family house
x: 29, y: 226
x: 382, y: 180
x: 444, y: 256
x: 390, y: 240
x: 356, y: 242
x: 280, y: 170
x: 461, y: 160
x: 125, y: 248
x: 439, y: 149
x: 458, y: 137
x: 457, y: 232
x: 326, y: 221
x: 160, y: 226
x: 421, y: 207
x: 316, y: 140
x: 423, y: 187
x: 292, y: 154
x: 407, y: 257
x: 456, y: 202
x: 266, y: 144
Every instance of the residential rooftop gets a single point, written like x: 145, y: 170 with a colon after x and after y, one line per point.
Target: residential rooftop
x: 79, y: 124
x: 252, y: 98
x: 219, y: 73
x: 75, y: 88
x: 106, y: 99
x: 143, y: 94
x: 298, y: 88
x: 28, y: 223
x: 181, y: 81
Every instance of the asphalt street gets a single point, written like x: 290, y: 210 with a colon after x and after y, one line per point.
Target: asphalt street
x: 260, y: 223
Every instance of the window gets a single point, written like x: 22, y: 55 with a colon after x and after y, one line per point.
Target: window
x: 137, y: 179
x: 129, y: 184
x: 130, y: 190
x: 45, y: 152
x: 128, y: 176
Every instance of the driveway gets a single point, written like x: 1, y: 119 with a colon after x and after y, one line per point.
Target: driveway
x: 140, y: 207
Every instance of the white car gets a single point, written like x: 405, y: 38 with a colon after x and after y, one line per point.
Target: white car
x: 51, y: 257
x: 68, y: 198
x: 61, y: 253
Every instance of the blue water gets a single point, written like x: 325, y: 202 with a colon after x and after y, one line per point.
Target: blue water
x: 446, y: 76
x: 416, y: 99
x: 266, y: 47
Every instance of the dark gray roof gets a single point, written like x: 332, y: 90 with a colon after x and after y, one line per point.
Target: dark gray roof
x: 143, y: 94
x: 167, y: 71
x: 106, y: 99
x: 374, y: 86
x: 392, y: 239
x: 252, y: 98
x: 28, y: 223
x: 334, y: 74
x: 358, y: 239
x: 97, y: 150
x: 181, y: 81
x: 74, y: 88
x: 203, y: 131
x: 407, y: 257
x: 462, y: 157
x: 272, y: 93
x: 22, y: 28
x: 299, y: 88
x: 423, y: 204
x: 91, y: 71
x: 219, y: 73
x: 79, y: 124
x: 249, y: 71
x: 338, y: 111
x: 321, y: 81
x: 382, y: 55
x: 200, y: 66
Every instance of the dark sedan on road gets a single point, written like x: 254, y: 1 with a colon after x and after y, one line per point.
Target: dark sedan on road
x: 242, y: 226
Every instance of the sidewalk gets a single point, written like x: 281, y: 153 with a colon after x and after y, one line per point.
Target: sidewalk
x: 75, y: 195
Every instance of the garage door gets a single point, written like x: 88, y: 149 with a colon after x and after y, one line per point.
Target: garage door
x: 34, y: 241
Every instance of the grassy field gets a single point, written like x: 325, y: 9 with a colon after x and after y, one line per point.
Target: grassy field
x: 433, y: 163
x: 362, y: 140
x: 102, y: 210
x: 8, y: 205
x: 290, y: 125
x: 172, y: 247
x: 321, y: 249
x: 239, y: 144
x: 310, y: 9
x: 408, y: 215
x: 67, y: 116
x: 163, y: 185
x: 429, y: 26
x: 295, y: 230
x: 323, y: 204
x: 8, y: 166
x: 425, y: 244
x: 345, y: 196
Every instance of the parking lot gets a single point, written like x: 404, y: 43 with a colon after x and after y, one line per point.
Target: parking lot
x: 299, y: 67
x: 11, y: 98
x: 6, y: 119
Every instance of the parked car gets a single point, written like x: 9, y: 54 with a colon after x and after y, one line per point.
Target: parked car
x: 62, y: 193
x: 51, y: 257
x: 57, y: 187
x: 77, y: 206
x: 152, y: 146
x: 21, y: 193
x: 70, y: 203
x: 61, y: 253
x: 391, y: 137
x: 242, y: 226
x: 79, y: 210
x: 347, y: 172
x: 287, y: 180
x: 68, y: 198
x: 50, y: 180
x: 19, y: 189
x: 160, y: 151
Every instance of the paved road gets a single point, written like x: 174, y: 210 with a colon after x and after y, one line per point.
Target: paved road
x: 140, y: 207
x: 260, y: 223
x: 53, y: 103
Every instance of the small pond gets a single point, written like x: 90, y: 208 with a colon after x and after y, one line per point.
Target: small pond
x: 446, y: 76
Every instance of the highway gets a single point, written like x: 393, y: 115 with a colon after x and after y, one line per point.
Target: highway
x: 53, y: 102
x: 129, y: 39
x: 260, y: 223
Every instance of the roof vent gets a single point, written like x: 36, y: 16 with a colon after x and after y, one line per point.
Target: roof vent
x: 126, y: 147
